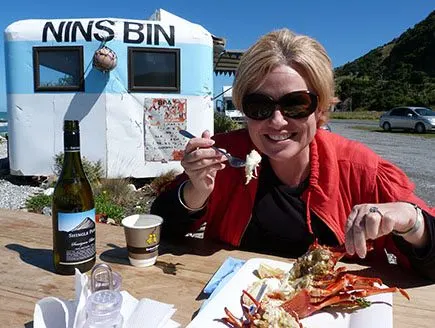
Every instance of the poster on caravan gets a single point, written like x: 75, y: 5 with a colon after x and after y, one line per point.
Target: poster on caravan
x: 131, y: 83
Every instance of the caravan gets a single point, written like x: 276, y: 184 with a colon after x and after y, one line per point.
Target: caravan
x: 132, y: 85
x: 227, y: 107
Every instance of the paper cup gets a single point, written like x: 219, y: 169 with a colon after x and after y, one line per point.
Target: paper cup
x: 142, y: 234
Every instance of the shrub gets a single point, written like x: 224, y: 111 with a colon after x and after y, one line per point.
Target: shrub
x: 223, y: 123
x: 161, y: 182
x: 110, y: 198
x: 116, y: 190
x: 37, y: 202
x: 104, y: 205
x: 93, y: 170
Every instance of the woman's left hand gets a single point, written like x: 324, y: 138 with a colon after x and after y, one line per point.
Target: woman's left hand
x: 371, y: 221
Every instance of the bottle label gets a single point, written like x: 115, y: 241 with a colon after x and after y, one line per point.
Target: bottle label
x: 71, y: 141
x: 76, y: 237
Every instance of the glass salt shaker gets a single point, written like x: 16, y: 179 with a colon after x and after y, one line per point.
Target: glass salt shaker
x: 103, y: 306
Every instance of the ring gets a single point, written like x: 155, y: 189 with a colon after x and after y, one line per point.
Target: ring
x: 374, y: 209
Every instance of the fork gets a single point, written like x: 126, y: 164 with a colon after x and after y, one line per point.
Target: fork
x: 232, y: 160
x: 253, y: 308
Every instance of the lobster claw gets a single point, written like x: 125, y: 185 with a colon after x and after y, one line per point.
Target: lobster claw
x: 338, y: 252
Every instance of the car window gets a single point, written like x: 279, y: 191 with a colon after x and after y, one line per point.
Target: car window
x: 409, y: 112
x: 425, y: 112
x: 399, y: 111
x: 394, y: 112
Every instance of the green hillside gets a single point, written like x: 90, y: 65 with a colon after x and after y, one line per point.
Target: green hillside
x: 399, y: 73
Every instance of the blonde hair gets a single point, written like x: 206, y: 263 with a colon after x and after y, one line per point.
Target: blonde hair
x: 283, y: 47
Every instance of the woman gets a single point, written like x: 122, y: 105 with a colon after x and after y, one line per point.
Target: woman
x: 311, y: 184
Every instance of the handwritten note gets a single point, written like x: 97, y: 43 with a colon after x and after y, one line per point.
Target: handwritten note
x: 163, y: 118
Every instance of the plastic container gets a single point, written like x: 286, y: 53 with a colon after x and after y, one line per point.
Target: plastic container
x: 103, y: 310
x: 103, y: 306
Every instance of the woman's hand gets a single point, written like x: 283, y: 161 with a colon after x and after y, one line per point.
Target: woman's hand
x: 200, y: 163
x: 364, y: 224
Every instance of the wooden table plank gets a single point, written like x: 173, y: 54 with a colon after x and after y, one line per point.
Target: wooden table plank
x: 26, y: 273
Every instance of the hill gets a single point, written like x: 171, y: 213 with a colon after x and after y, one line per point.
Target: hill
x: 399, y: 73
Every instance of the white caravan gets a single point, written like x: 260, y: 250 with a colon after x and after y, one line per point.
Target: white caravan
x: 132, y: 84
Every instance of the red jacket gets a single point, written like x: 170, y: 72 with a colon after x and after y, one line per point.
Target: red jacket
x: 343, y: 173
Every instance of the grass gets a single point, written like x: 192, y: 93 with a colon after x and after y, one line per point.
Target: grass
x: 360, y: 115
x: 408, y: 133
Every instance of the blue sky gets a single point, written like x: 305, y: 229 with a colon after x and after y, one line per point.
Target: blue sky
x: 348, y: 29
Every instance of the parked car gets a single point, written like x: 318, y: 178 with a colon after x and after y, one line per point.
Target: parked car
x: 419, y: 119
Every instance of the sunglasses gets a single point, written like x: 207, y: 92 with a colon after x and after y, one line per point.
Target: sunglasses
x: 297, y: 104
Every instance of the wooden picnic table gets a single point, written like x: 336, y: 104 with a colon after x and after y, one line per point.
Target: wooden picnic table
x: 26, y: 273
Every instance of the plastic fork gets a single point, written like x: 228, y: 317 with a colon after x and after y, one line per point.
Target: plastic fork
x: 232, y: 160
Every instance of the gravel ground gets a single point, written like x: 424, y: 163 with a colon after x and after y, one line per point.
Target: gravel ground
x: 12, y: 195
x: 412, y: 153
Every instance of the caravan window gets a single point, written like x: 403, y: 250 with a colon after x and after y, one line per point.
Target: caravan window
x: 154, y: 69
x: 58, y: 69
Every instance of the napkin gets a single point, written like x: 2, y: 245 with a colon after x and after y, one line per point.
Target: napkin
x: 225, y: 272
x: 141, y: 317
x: 54, y: 312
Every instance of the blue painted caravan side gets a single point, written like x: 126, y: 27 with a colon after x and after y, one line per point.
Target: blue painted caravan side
x: 129, y: 116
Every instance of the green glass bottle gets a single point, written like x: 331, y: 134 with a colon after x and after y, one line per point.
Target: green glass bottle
x: 73, y: 210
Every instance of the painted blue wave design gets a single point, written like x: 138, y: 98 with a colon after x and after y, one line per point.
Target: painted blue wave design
x: 196, y: 74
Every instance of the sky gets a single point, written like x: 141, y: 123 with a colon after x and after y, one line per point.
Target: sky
x: 348, y: 29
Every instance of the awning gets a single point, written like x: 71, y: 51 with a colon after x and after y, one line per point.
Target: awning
x: 224, y: 61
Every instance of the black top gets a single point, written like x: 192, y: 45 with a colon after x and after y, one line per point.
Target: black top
x: 278, y: 223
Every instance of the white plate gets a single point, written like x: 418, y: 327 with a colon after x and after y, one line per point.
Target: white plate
x: 378, y: 315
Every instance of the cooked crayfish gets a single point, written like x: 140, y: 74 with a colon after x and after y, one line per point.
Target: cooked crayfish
x: 262, y: 315
x: 310, y: 285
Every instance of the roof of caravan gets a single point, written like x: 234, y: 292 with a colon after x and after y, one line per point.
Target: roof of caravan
x: 227, y: 62
x: 32, y: 29
x: 224, y: 61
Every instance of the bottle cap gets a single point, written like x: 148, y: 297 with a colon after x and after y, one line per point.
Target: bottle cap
x: 102, y: 277
x: 104, y: 303
x: 71, y: 125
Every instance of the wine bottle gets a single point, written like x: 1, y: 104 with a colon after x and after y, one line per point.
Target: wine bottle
x: 73, y: 210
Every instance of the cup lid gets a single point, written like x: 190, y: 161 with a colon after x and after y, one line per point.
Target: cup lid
x: 142, y: 221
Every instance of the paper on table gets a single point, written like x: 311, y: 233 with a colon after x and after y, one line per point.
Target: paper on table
x: 56, y: 312
x: 225, y: 272
x: 82, y: 293
x: 132, y: 309
x: 141, y: 317
x: 53, y: 312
